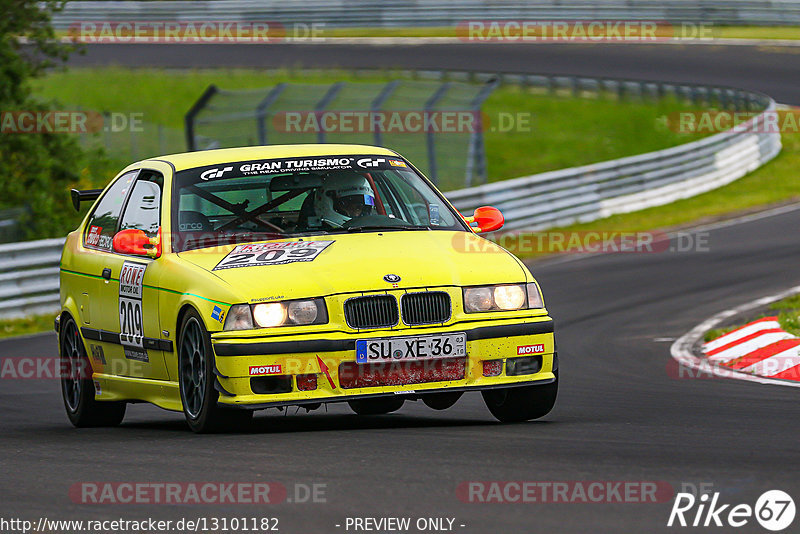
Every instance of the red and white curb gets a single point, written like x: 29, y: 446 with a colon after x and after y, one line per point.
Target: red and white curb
x: 757, y: 352
x: 759, y: 348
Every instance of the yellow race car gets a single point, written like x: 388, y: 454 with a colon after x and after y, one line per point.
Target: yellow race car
x: 226, y: 281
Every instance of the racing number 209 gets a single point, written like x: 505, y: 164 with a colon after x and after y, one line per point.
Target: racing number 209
x: 130, y: 314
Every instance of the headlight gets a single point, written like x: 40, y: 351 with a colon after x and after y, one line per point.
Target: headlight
x: 502, y: 297
x: 478, y: 299
x: 303, y: 311
x: 509, y: 297
x: 272, y: 314
x: 269, y: 314
x: 239, y: 318
x: 534, y: 296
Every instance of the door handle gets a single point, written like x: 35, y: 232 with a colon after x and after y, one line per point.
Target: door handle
x: 107, y: 273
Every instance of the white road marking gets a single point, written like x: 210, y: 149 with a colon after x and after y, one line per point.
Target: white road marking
x: 739, y: 334
x: 751, y: 345
x: 681, y: 350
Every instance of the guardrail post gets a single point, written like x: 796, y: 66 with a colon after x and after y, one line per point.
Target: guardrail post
x: 333, y: 90
x: 430, y: 135
x: 476, y: 150
x: 376, y: 106
x: 190, y: 116
x: 261, y: 111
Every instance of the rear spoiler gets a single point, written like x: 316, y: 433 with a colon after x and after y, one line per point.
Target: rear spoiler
x: 79, y: 196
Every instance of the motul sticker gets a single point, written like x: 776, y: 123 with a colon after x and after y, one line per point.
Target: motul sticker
x: 530, y: 349
x: 258, y: 370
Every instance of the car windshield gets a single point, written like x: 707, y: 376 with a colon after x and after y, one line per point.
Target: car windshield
x: 288, y: 197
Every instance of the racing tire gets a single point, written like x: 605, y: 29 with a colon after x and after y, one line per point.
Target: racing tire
x: 196, y: 380
x: 379, y: 406
x: 514, y: 405
x: 77, y: 387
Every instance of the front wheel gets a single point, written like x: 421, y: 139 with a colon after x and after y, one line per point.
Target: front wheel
x: 77, y: 388
x: 196, y: 378
x: 517, y: 404
x: 379, y: 406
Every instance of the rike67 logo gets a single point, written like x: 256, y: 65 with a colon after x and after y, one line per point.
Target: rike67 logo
x: 774, y: 510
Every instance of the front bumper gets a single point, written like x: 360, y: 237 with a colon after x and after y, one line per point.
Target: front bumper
x: 331, y: 357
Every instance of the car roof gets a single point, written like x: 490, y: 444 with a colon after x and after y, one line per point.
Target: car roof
x: 201, y: 158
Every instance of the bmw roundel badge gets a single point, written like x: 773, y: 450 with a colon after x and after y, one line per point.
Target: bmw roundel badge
x: 392, y: 278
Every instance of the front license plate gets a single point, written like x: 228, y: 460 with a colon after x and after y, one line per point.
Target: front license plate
x: 411, y: 348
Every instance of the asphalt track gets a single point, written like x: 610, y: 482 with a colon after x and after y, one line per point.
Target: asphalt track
x: 623, y: 413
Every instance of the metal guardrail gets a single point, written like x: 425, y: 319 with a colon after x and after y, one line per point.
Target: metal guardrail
x: 591, y: 192
x: 400, y: 13
x: 29, y: 277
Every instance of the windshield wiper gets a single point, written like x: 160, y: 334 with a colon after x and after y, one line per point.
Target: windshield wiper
x: 385, y: 227
x: 227, y: 239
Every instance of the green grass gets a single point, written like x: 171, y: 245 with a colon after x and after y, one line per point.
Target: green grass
x: 774, y: 183
x: 29, y: 325
x: 714, y: 333
x: 713, y: 31
x: 788, y: 314
x: 788, y: 311
x: 716, y: 31
x: 559, y: 131
x: 725, y: 32
x: 756, y: 32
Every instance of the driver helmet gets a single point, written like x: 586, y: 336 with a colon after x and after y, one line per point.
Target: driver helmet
x: 343, y: 197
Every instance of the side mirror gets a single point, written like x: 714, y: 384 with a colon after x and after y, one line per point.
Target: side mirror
x: 136, y: 242
x: 488, y: 218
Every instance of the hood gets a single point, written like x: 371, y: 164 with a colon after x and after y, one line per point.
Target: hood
x: 358, y: 262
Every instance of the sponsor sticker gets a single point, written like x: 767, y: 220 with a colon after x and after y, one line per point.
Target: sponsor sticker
x: 217, y: 314
x: 433, y: 214
x: 97, y: 389
x: 370, y: 163
x: 93, y: 237
x: 260, y: 370
x: 530, y: 349
x: 272, y: 254
x: 287, y: 165
x: 98, y: 354
x: 131, y: 321
x: 295, y: 165
x: 210, y: 174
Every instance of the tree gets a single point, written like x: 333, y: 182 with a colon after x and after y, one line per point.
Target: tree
x: 36, y: 168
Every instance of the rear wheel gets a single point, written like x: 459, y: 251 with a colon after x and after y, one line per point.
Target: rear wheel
x: 513, y: 405
x: 196, y: 376
x: 379, y: 406
x: 77, y: 388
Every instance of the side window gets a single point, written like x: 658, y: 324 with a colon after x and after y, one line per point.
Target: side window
x: 143, y: 211
x: 103, y: 222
